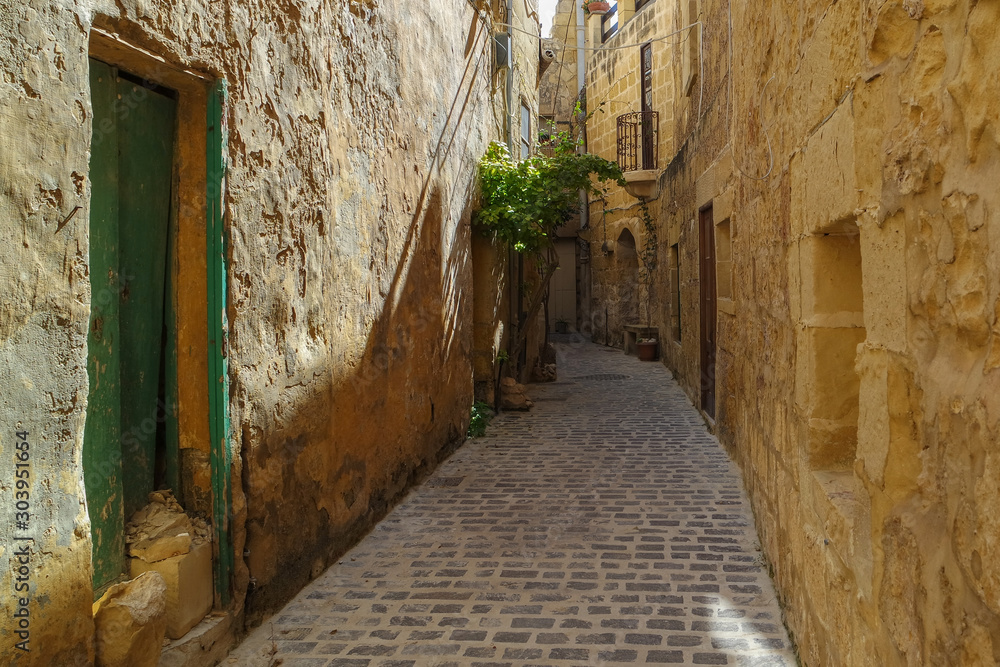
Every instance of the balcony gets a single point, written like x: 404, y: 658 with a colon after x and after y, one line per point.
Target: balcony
x: 638, y: 132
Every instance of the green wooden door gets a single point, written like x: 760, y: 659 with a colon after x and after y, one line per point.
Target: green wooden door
x: 128, y: 351
x: 101, y: 451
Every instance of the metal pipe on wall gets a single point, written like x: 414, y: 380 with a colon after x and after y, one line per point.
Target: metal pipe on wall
x: 581, y: 81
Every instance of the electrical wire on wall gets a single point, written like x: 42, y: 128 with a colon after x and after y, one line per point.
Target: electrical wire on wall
x: 612, y: 48
x: 621, y: 47
x: 562, y: 65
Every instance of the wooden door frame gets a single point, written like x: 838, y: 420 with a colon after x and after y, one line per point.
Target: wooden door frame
x: 201, y: 256
x: 647, y: 134
x: 708, y: 317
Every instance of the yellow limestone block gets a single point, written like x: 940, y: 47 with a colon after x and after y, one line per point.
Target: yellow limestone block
x: 189, y: 586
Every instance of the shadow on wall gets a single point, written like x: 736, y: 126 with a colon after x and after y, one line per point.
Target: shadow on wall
x: 333, y: 466
x: 336, y: 453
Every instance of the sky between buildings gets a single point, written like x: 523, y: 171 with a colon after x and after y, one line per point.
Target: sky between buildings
x: 546, y: 10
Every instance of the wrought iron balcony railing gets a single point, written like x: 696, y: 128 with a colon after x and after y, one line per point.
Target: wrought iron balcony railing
x: 637, y: 140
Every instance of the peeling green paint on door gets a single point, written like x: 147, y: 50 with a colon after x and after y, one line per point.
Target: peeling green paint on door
x: 131, y: 173
x: 102, y: 435
x: 218, y: 330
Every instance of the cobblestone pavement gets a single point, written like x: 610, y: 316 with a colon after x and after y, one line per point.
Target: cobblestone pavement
x: 605, y: 527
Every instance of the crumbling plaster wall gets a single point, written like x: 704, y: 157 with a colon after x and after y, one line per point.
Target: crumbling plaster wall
x: 866, y: 428
x: 354, y: 130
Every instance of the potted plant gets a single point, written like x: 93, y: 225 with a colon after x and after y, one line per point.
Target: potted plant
x: 597, y: 8
x: 646, y: 348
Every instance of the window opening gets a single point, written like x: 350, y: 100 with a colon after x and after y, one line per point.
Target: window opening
x: 609, y: 23
x: 648, y: 132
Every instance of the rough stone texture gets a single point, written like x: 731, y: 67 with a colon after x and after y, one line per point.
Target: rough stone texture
x: 188, y: 578
x: 353, y: 133
x: 130, y: 621
x: 513, y: 396
x: 850, y: 164
x: 203, y: 646
x: 605, y: 527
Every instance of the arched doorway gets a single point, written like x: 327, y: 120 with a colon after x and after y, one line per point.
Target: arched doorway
x: 626, y: 286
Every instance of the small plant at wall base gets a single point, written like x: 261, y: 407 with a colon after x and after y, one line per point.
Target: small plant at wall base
x: 525, y: 201
x: 481, y: 416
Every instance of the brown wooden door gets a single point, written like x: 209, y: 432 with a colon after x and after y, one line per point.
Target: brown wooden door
x: 709, y: 311
x: 646, y: 64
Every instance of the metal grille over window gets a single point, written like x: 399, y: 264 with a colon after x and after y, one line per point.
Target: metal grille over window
x: 637, y: 140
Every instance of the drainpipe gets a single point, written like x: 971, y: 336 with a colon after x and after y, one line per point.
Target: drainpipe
x: 510, y: 81
x: 511, y: 259
x: 580, y: 44
x: 581, y: 81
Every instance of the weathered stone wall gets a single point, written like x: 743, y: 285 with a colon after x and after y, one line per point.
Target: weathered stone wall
x: 697, y: 173
x: 871, y: 251
x: 354, y: 131
x: 850, y: 162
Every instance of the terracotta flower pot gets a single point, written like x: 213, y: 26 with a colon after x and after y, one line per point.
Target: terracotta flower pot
x: 647, y: 350
x: 598, y: 8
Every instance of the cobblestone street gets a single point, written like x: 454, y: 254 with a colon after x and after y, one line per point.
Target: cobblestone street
x: 604, y: 527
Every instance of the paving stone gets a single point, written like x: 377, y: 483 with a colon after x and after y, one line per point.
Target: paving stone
x: 665, y: 657
x: 606, y: 526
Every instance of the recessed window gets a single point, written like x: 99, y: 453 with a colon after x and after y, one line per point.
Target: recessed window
x: 639, y: 4
x: 832, y: 329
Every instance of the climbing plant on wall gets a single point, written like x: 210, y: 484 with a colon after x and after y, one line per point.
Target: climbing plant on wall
x: 648, y: 257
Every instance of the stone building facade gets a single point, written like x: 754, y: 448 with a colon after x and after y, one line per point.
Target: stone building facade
x: 827, y: 290
x: 560, y: 89
x: 279, y: 196
x: 617, y: 90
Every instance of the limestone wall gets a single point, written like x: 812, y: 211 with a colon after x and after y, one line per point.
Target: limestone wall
x: 353, y: 133
x: 874, y: 468
x: 495, y: 307
x: 850, y: 162
x: 614, y: 88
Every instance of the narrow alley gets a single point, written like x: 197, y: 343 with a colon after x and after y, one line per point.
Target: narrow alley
x: 604, y: 527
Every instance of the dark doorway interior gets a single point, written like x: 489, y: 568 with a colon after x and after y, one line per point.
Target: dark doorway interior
x: 709, y: 310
